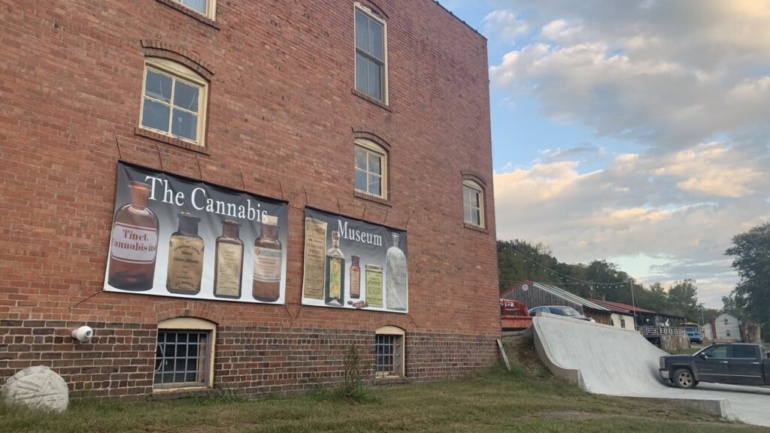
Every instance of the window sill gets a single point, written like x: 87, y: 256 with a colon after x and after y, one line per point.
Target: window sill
x: 175, y: 393
x: 190, y: 13
x: 476, y: 228
x: 170, y: 140
x: 390, y: 380
x: 372, y: 100
x: 374, y: 198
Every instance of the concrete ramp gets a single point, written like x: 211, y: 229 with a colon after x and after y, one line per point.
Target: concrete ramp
x: 606, y: 360
x: 600, y: 358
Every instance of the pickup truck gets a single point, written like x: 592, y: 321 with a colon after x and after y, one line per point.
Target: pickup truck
x: 734, y: 363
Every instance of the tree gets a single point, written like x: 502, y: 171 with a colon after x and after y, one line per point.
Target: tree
x: 654, y: 298
x: 683, y: 300
x: 519, y: 260
x: 752, y: 262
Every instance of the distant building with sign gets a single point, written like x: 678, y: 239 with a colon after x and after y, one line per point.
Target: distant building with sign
x: 232, y: 195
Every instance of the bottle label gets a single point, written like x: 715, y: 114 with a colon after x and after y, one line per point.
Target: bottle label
x: 335, y: 278
x: 134, y: 244
x: 185, y: 264
x: 267, y: 265
x: 373, y: 285
x: 228, y: 271
x: 355, y: 282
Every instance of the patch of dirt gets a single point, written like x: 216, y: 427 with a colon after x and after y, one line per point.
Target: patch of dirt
x: 521, y: 352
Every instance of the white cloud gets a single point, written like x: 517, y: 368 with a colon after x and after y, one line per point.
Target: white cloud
x: 662, y: 73
x: 686, y: 83
x: 662, y: 206
x: 504, y: 25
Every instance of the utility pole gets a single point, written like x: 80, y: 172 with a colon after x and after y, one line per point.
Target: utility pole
x: 633, y: 302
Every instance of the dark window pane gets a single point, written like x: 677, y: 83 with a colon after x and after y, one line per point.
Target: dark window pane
x: 362, y: 24
x: 374, y: 163
x: 186, y: 96
x: 155, y: 115
x: 361, y: 73
x: 185, y: 125
x: 360, y: 158
x: 158, y: 86
x: 376, y: 47
x: 198, y: 5
x: 374, y: 185
x: 360, y: 180
x: 375, y: 80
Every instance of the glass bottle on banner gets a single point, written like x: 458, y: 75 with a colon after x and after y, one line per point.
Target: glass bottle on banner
x: 395, y: 277
x: 335, y: 273
x: 355, y: 278
x: 268, y: 257
x: 228, y: 264
x: 134, y: 243
x: 185, y: 257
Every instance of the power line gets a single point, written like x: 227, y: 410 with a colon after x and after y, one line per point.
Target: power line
x: 573, y: 280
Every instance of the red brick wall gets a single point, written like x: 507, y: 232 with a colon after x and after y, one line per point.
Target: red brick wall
x: 281, y: 120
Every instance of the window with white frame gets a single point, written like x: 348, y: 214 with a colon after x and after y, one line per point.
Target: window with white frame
x: 371, y: 169
x: 371, y: 54
x: 623, y: 323
x: 389, y: 352
x: 184, y: 354
x: 174, y: 100
x: 203, y: 7
x: 473, y: 203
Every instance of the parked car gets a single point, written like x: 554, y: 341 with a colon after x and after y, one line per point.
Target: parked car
x: 694, y: 332
x: 734, y: 363
x: 559, y: 310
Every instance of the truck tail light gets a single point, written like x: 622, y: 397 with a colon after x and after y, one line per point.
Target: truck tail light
x: 662, y: 362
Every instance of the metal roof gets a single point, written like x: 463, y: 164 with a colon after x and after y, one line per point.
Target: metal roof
x: 561, y: 293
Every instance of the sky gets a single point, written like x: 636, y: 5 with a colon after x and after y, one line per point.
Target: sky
x: 633, y: 131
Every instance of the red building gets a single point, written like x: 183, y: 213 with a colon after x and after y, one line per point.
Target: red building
x: 233, y: 194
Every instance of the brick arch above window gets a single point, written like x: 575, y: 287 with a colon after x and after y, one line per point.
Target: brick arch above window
x: 179, y: 55
x: 374, y: 8
x: 474, y: 176
x: 183, y: 310
x: 390, y: 330
x: 371, y: 135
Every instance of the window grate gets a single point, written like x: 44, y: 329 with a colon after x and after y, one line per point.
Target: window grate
x: 181, y: 359
x: 384, y: 354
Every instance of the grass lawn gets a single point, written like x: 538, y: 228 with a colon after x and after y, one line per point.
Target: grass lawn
x: 527, y: 399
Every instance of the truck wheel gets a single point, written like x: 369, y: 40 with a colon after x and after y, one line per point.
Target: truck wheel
x: 683, y: 378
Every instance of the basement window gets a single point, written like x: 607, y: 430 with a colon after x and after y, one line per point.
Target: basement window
x: 389, y: 352
x: 184, y: 354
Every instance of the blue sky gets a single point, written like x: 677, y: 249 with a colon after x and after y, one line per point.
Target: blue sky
x: 634, y: 132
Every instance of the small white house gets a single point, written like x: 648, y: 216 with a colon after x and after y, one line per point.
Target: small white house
x: 725, y: 328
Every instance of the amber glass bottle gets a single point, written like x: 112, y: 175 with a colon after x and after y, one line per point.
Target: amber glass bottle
x: 355, y: 278
x: 229, y: 261
x: 134, y: 242
x: 185, y: 257
x: 268, y: 257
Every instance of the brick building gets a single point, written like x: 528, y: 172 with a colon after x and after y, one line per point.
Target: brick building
x: 322, y: 129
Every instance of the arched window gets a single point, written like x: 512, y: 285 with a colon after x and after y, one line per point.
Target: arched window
x: 389, y: 352
x: 473, y: 203
x: 371, y: 168
x: 184, y: 354
x: 174, y: 100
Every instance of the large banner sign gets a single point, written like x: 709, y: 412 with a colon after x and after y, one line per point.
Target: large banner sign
x: 176, y: 237
x: 353, y: 264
